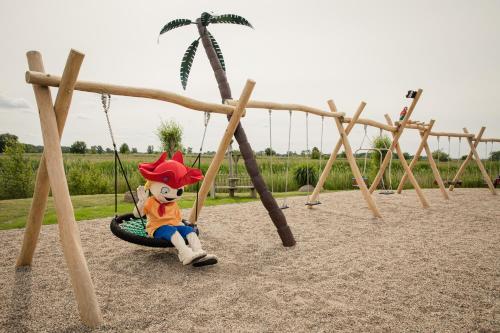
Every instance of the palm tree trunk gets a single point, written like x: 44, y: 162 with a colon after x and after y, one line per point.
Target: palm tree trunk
x: 267, y: 199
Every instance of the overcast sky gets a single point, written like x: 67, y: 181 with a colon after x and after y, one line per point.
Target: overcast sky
x: 299, y: 52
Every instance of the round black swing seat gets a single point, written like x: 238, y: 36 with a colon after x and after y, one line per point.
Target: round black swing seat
x: 130, y: 229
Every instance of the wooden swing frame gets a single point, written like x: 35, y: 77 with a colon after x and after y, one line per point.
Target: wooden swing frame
x: 473, y: 154
x: 51, y: 175
x: 396, y: 131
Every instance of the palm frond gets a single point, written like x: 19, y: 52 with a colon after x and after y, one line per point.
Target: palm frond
x: 205, y: 18
x: 217, y: 50
x: 187, y: 61
x: 175, y: 24
x: 230, y: 18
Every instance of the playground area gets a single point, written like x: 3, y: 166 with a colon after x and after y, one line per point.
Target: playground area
x: 416, y: 269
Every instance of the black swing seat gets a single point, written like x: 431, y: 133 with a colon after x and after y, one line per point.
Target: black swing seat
x: 314, y: 203
x: 130, y: 229
x: 450, y: 182
x: 386, y: 192
x: 355, y: 183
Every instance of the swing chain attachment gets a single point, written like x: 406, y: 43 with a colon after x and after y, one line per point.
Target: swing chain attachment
x: 106, y: 104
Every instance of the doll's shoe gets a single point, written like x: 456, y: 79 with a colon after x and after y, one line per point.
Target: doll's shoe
x: 192, y: 257
x: 207, y: 260
x: 186, y: 254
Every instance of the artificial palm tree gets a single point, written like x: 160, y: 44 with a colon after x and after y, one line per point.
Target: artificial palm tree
x: 216, y: 59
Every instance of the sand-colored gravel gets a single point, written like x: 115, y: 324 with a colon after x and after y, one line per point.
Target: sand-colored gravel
x: 416, y: 270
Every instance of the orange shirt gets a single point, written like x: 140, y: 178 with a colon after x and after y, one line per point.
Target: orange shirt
x: 172, y: 215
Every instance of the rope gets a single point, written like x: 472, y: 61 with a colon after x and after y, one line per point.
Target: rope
x: 271, y: 151
x: 438, y: 150
x: 307, y: 155
x: 288, y: 157
x: 320, y: 162
x: 106, y: 103
x: 449, y: 160
x: 206, y: 120
x: 491, y: 160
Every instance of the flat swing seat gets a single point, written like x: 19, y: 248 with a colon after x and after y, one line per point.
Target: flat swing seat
x: 314, y: 203
x: 496, y: 182
x: 355, y: 184
x: 130, y: 229
x: 450, y: 182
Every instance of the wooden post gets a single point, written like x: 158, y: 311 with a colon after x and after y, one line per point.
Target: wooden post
x: 42, y: 187
x: 407, y: 169
x: 395, y: 140
x: 480, y: 164
x: 354, y: 166
x: 68, y: 230
x: 221, y: 151
x: 333, y: 156
x: 467, y: 159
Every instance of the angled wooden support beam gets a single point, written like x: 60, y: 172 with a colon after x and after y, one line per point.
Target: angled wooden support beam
x: 354, y: 166
x: 435, y: 171
x: 42, y: 187
x: 68, y: 229
x: 333, y: 156
x: 467, y: 159
x: 424, y: 145
x: 407, y: 169
x: 416, y: 156
x: 480, y: 165
x: 395, y: 140
x: 221, y: 151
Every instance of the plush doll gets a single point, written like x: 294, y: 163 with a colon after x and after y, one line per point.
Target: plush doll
x: 165, y: 182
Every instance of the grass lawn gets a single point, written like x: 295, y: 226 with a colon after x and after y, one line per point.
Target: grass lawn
x: 13, y: 213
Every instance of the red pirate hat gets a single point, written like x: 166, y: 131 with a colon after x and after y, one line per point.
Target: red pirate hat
x: 171, y: 172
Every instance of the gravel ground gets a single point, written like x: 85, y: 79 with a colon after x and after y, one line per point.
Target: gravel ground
x: 416, y: 270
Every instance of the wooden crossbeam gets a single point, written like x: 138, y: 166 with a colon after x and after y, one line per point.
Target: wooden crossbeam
x: 52, y: 168
x: 395, y: 140
x: 407, y: 169
x: 354, y: 166
x: 333, y: 156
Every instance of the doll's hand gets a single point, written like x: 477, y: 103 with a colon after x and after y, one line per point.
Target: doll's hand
x: 142, y: 195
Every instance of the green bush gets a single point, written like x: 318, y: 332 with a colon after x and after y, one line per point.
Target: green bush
x: 16, y: 172
x: 78, y: 147
x: 170, y: 135
x: 305, y: 174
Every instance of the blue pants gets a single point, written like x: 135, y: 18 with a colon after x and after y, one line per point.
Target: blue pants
x: 166, y: 231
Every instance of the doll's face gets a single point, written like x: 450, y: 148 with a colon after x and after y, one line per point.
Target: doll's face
x: 164, y: 193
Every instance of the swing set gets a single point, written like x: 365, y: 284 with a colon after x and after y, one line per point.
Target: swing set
x: 51, y: 174
x: 473, y: 141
